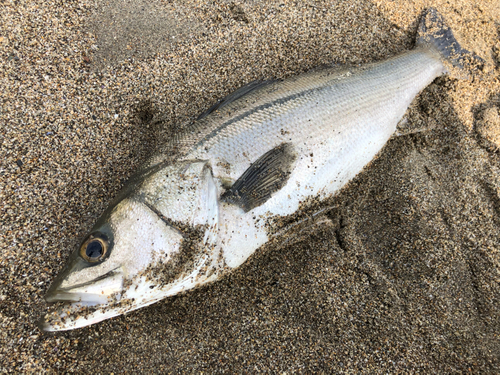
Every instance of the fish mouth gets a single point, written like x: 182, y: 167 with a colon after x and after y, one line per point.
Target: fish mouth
x: 90, y: 293
x: 70, y: 303
x: 72, y: 309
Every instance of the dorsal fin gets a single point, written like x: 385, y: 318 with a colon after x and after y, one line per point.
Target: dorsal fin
x: 242, y: 91
x: 265, y: 176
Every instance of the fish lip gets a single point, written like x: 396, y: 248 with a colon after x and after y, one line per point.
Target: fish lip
x: 68, y: 297
x: 77, y: 293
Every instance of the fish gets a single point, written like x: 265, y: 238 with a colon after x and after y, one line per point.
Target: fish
x: 213, y: 193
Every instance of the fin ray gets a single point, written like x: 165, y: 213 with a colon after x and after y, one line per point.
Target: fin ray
x: 264, y: 177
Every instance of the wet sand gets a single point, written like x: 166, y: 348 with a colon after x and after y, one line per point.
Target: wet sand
x: 401, y: 274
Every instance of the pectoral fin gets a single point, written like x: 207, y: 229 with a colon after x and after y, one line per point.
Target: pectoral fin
x: 265, y: 176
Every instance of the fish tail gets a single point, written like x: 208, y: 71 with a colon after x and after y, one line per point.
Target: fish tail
x: 434, y: 33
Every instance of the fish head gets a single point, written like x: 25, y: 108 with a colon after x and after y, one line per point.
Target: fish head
x: 151, y: 243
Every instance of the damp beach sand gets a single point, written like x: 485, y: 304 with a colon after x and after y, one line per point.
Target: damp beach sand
x: 400, y: 275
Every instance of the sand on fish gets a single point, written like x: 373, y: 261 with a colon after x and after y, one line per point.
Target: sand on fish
x: 400, y: 274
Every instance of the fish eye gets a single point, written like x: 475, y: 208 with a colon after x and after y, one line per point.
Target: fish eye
x: 94, y: 247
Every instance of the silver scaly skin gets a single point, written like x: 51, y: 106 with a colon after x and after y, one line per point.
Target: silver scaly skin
x: 200, y: 208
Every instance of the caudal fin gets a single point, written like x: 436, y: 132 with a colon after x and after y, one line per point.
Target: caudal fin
x: 434, y: 33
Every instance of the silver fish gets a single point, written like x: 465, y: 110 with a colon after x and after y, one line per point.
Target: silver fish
x: 202, y: 207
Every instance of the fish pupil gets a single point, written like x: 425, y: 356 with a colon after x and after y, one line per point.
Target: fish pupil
x: 94, y: 250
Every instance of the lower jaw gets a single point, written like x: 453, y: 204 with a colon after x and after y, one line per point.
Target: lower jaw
x: 73, y: 316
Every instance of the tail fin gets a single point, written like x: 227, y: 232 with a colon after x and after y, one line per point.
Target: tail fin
x: 434, y: 33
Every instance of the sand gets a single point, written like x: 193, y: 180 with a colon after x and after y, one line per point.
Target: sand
x: 400, y: 275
